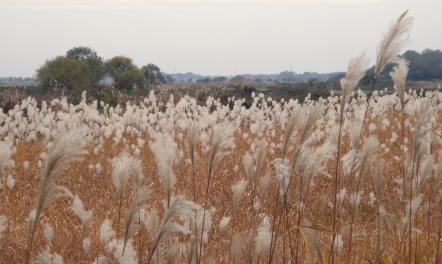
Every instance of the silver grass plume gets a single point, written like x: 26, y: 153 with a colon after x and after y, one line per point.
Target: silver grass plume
x: 312, y: 240
x: 46, y: 257
x: 309, y: 125
x: 106, y: 232
x: 142, y: 193
x: 263, y: 238
x: 191, y: 141
x: 290, y: 130
x: 238, y: 191
x: 165, y: 152
x: 411, y: 209
x: 399, y: 76
x: 368, y: 152
x: 178, y: 208
x: 378, y: 174
x: 224, y: 222
x: 355, y: 72
x: 84, y: 215
x: 220, y: 140
x: 393, y: 42
x: 65, y: 150
x: 123, y: 167
x: 307, y: 129
x: 424, y: 118
x: 151, y: 221
x: 172, y: 253
x: 6, y: 151
x: 3, y: 224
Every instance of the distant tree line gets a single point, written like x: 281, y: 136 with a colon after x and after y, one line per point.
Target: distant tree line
x: 424, y: 66
x: 81, y: 69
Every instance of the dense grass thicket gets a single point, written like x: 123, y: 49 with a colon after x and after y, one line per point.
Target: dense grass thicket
x: 354, y: 178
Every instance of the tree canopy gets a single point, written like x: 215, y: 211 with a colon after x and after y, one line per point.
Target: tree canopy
x: 126, y: 74
x: 80, y: 70
x: 153, y: 74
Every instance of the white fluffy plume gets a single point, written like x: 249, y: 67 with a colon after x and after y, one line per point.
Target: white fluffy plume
x: 393, y: 41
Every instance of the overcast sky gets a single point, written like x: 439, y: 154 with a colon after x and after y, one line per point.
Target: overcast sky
x: 209, y: 36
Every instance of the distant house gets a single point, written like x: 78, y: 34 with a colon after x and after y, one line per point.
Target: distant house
x: 107, y: 80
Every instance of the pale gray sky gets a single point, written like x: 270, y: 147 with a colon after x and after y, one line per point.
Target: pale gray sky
x: 209, y: 36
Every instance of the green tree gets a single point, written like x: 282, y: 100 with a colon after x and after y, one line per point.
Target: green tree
x: 96, y: 65
x: 65, y: 73
x: 126, y: 75
x: 80, y: 70
x: 153, y: 74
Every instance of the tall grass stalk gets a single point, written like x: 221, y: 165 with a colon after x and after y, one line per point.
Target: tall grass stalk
x: 367, y: 153
x: 191, y: 141
x: 355, y: 72
x: 220, y: 139
x: 66, y: 149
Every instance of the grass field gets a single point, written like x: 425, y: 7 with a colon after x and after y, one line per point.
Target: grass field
x: 352, y: 178
x: 289, y: 196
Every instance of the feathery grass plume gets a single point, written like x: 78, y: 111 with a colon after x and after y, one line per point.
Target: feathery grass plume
x: 399, y: 76
x: 307, y: 128
x: 48, y: 232
x: 165, y: 150
x: 179, y: 207
x: 191, y: 141
x: 84, y: 215
x: 224, y: 222
x: 264, y: 183
x: 172, y: 253
x: 236, y: 247
x: 290, y: 130
x: 309, y: 125
x: 6, y: 151
x: 104, y: 260
x: 46, y: 257
x: 238, y: 191
x: 364, y: 158
x: 123, y: 168
x: 221, y: 138
x: 263, y: 238
x: 191, y: 252
x: 106, y: 232
x: 3, y: 224
x: 310, y: 238
x: 377, y: 173
x: 283, y: 176
x: 407, y: 220
x: 286, y: 168
x: 421, y: 129
x: 367, y: 153
x: 393, y: 42
x: 151, y: 220
x: 248, y: 242
x: 424, y: 118
x: 86, y: 246
x: 142, y: 193
x: 65, y: 150
x: 355, y: 72
x: 10, y: 182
